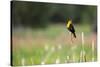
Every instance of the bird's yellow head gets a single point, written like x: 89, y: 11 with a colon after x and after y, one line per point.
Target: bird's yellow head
x: 68, y: 23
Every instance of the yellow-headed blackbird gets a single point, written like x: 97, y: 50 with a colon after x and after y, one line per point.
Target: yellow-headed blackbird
x: 70, y: 27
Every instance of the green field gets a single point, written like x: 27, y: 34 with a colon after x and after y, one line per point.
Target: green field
x: 51, y: 44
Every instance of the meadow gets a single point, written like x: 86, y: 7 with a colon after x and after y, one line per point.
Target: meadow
x: 52, y: 45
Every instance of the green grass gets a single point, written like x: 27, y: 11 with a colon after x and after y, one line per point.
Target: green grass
x: 36, y: 50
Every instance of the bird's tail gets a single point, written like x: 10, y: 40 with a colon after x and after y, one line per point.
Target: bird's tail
x: 74, y: 34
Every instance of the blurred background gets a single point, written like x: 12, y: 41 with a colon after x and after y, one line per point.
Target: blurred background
x: 40, y: 36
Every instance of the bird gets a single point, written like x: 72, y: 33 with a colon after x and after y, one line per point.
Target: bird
x: 71, y: 28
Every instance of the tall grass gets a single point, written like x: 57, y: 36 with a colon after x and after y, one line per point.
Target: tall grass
x: 52, y: 45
